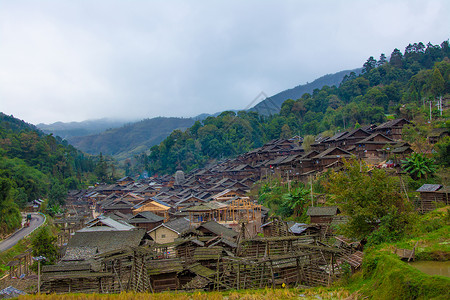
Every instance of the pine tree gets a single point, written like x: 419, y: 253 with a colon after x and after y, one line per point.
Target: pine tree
x: 382, y: 60
x: 369, y: 65
x: 101, y: 170
x: 396, y: 58
x: 437, y: 83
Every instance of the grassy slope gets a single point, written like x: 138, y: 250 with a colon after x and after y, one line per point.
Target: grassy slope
x: 385, y: 276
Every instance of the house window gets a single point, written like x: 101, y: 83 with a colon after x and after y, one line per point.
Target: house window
x: 163, y: 236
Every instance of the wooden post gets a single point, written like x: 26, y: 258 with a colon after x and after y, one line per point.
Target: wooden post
x: 262, y: 275
x: 273, y: 276
x: 39, y: 277
x: 217, y: 273
x: 238, y: 275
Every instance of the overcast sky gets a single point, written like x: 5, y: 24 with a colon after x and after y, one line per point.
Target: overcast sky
x: 77, y: 60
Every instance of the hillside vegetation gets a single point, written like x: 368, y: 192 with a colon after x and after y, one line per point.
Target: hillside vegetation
x: 401, y: 86
x: 34, y: 165
x: 130, y: 139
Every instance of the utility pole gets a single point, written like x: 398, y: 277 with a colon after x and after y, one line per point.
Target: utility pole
x: 289, y: 182
x: 312, y: 198
x: 430, y: 110
x: 39, y: 277
x: 38, y: 259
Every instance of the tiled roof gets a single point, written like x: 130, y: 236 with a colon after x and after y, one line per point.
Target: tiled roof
x: 370, y: 138
x: 179, y: 225
x: 219, y: 229
x: 107, y: 240
x: 145, y: 217
x: 429, y: 188
x: 390, y: 123
x: 322, y: 211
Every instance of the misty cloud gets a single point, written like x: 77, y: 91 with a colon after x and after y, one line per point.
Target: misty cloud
x: 77, y: 60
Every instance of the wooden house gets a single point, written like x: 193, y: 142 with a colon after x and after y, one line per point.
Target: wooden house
x: 248, y: 181
x: 432, y: 196
x: 329, y: 156
x: 228, y: 194
x: 214, y: 229
x: 322, y: 214
x: 133, y: 198
x: 204, y: 212
x: 103, y: 223
x: 437, y: 133
x: 393, y: 128
x: 147, y: 191
x: 120, y: 205
x: 155, y: 206
x: 302, y: 229
x: 371, y: 145
x: 168, y: 232
x: 189, y: 201
x: 163, y: 274
x: 350, y: 138
x: 105, y: 241
x: 306, y: 163
x: 111, y: 189
x: 185, y: 247
x: 241, y: 171
x: 396, y: 152
x: 330, y: 142
x: 146, y: 220
x: 125, y: 181
x: 118, y: 216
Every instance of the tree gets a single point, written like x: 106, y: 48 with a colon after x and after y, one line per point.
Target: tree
x: 296, y: 200
x: 396, y: 58
x: 43, y: 244
x: 382, y: 60
x: 443, y: 151
x: 418, y: 165
x: 57, y: 194
x: 10, y: 218
x: 307, y: 142
x: 101, y: 170
x: 370, y: 64
x: 416, y: 135
x: 437, y: 83
x: 366, y: 197
x: 285, y: 132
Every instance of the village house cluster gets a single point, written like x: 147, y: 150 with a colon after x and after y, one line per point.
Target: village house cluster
x: 201, y: 230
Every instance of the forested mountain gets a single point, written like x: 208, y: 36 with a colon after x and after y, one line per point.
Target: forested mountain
x: 272, y: 105
x: 130, y: 139
x: 71, y: 129
x: 399, y: 86
x: 34, y: 165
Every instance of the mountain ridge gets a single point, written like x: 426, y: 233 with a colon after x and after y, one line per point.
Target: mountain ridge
x: 132, y: 138
x: 66, y: 130
x: 272, y: 104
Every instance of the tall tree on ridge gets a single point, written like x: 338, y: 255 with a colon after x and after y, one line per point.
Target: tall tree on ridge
x: 396, y: 58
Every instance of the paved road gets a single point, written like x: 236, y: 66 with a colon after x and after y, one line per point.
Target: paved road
x: 36, y: 221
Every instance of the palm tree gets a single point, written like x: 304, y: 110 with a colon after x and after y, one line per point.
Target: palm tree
x: 418, y: 165
x: 296, y: 200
